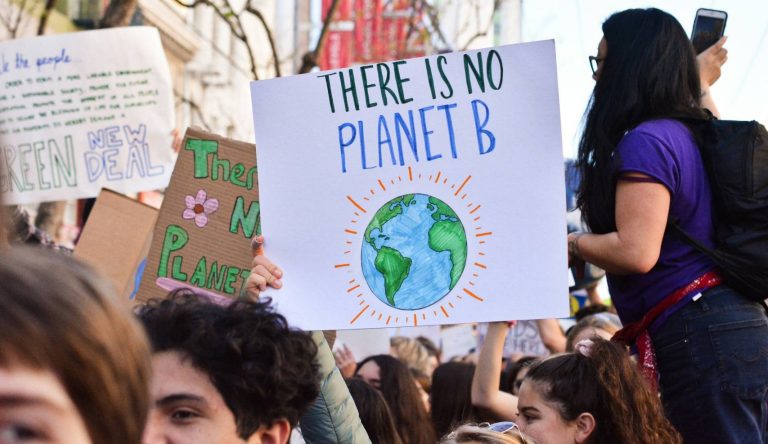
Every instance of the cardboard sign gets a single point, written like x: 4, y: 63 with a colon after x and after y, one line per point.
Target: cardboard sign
x: 117, y: 224
x: 82, y: 111
x: 417, y: 192
x: 209, y: 214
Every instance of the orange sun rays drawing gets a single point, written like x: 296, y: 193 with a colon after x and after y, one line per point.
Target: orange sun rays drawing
x: 365, y: 209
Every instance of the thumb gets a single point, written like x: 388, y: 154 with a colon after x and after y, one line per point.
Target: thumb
x: 720, y: 42
x: 257, y: 245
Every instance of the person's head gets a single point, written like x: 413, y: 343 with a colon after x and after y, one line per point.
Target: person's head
x: 497, y: 433
x: 413, y: 354
x: 591, y: 309
x: 374, y: 412
x: 601, y: 325
x: 595, y: 395
x: 394, y: 380
x: 516, y: 372
x: 225, y: 374
x: 451, y: 396
x: 74, y: 363
x: 647, y: 70
x: 433, y: 350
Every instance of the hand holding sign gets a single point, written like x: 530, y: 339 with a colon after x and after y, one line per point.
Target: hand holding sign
x: 263, y: 272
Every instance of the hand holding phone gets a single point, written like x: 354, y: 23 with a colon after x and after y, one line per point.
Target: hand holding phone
x: 708, y: 28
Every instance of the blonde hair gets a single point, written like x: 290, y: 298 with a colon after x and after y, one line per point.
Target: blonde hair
x: 412, y: 353
x: 474, y: 434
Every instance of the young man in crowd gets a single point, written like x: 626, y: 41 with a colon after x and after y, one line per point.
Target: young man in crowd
x: 235, y: 374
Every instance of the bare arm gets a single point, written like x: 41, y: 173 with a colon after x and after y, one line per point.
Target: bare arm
x: 485, y: 383
x: 551, y: 335
x: 641, y: 217
x: 710, y: 62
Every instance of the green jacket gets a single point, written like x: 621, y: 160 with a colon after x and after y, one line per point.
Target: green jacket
x: 333, y: 418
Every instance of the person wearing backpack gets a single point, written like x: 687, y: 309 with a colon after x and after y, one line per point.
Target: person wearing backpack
x: 702, y: 341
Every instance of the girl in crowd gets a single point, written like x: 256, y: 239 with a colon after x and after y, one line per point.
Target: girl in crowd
x: 641, y: 169
x: 374, y: 412
x: 498, y: 433
x: 593, y: 395
x: 515, y: 373
x: 74, y: 366
x: 451, y: 397
x: 602, y: 325
x: 394, y: 380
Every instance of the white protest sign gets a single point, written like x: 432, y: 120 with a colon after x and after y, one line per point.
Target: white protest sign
x: 523, y: 339
x: 458, y: 341
x: 82, y: 111
x: 417, y: 192
x: 363, y: 343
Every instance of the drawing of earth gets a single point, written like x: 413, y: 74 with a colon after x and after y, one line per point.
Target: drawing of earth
x: 414, y: 251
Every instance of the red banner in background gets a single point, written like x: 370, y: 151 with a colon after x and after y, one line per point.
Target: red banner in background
x: 370, y: 31
x: 337, y: 52
x: 367, y: 48
x: 395, y: 19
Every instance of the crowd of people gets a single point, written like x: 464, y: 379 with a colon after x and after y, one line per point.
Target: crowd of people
x: 78, y: 366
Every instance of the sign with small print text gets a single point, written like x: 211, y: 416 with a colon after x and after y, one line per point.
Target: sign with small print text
x: 82, y: 111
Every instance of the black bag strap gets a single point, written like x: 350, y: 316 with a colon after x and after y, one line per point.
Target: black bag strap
x: 674, y: 223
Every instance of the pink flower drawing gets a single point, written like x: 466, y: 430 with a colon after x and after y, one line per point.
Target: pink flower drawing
x: 199, y: 207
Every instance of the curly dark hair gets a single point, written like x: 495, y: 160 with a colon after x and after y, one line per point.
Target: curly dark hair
x: 608, y: 385
x: 263, y: 369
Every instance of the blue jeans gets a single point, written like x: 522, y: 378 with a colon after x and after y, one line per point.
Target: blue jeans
x: 712, y: 358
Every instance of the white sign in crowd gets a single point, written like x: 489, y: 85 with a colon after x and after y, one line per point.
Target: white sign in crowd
x: 416, y: 192
x: 82, y: 111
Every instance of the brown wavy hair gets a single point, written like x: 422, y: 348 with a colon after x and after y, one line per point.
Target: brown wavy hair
x: 57, y: 315
x: 607, y: 385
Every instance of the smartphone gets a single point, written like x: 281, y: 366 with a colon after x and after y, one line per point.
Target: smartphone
x: 708, y: 27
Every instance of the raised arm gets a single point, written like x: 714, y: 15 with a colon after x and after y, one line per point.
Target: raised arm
x: 710, y: 62
x: 485, y: 383
x: 552, y: 335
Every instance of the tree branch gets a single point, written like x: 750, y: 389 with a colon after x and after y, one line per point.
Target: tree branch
x: 11, y: 24
x: 196, y: 109
x: 309, y: 60
x: 435, y: 22
x: 118, y: 13
x: 49, y: 4
x: 487, y: 29
x: 270, y: 36
x: 233, y: 21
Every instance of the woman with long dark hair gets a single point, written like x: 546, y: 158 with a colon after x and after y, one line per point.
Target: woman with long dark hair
x: 641, y: 169
x: 374, y: 412
x: 398, y: 387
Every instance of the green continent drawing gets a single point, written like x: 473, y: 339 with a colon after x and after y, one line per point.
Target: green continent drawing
x: 385, y: 214
x: 414, y: 251
x: 395, y: 269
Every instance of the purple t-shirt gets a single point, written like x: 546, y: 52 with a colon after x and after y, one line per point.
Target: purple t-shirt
x: 666, y: 151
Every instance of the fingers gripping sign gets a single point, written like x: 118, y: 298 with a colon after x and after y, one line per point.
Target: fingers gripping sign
x: 263, y: 272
